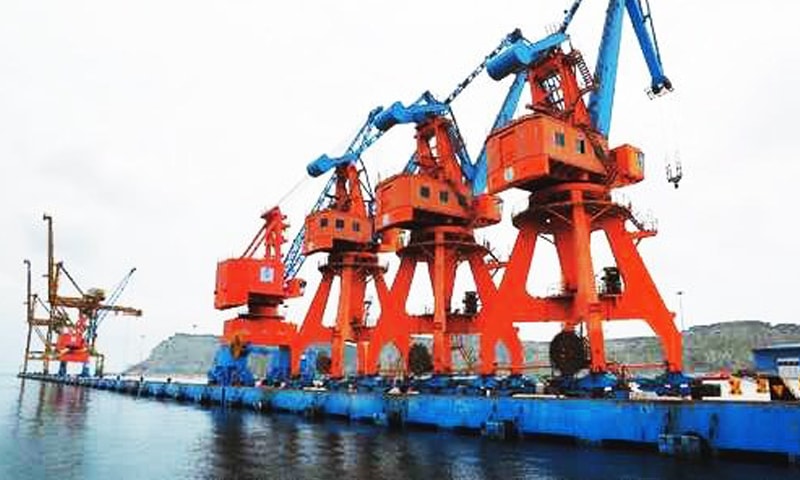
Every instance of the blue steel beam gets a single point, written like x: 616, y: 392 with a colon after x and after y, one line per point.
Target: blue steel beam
x: 569, y: 15
x: 414, y: 113
x: 601, y: 102
x: 366, y: 136
x: 645, y: 32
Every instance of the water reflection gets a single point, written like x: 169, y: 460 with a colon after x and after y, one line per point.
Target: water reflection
x: 55, y: 431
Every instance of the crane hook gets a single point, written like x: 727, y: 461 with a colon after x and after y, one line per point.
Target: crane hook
x: 674, y: 177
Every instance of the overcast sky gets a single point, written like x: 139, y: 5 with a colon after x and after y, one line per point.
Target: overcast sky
x: 156, y: 132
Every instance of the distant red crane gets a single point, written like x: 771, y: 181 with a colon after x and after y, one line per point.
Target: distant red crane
x: 63, y: 339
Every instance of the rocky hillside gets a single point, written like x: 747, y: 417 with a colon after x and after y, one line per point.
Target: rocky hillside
x: 706, y: 347
x: 180, y: 354
x: 709, y: 348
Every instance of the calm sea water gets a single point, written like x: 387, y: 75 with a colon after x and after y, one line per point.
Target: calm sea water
x: 63, y: 432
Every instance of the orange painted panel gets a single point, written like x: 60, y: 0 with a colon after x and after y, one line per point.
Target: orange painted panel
x: 630, y: 164
x: 488, y: 209
x: 523, y: 151
x: 236, y: 278
x: 327, y: 227
x: 260, y: 332
x: 402, y: 198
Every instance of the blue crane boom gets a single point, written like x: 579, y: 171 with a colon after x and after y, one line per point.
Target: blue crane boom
x: 91, y: 329
x: 367, y: 135
x: 502, y: 61
x: 523, y: 53
x: 504, y: 116
x: 601, y: 102
x: 646, y: 34
x: 511, y: 56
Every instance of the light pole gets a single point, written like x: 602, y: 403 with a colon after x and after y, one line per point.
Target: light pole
x: 680, y: 306
x: 141, y: 352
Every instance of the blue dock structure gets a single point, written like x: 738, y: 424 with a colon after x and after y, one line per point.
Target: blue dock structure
x: 688, y: 428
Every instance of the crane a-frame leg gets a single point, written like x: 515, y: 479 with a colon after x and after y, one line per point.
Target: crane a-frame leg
x: 353, y: 269
x: 394, y: 324
x: 570, y: 212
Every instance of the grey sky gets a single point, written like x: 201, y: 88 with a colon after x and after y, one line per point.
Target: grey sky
x: 156, y: 132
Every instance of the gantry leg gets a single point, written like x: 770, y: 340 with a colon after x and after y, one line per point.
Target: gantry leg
x: 442, y: 279
x: 495, y: 322
x: 393, y: 325
x: 585, y: 302
x: 312, y: 330
x: 641, y: 295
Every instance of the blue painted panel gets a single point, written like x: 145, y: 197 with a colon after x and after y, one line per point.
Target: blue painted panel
x: 293, y: 400
x: 173, y: 390
x: 254, y: 397
x: 216, y: 394
x: 760, y: 427
x: 196, y: 393
x: 448, y: 411
x: 766, y: 359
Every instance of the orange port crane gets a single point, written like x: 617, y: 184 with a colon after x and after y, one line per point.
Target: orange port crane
x: 344, y: 231
x: 255, y: 280
x: 559, y: 153
x: 433, y: 201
